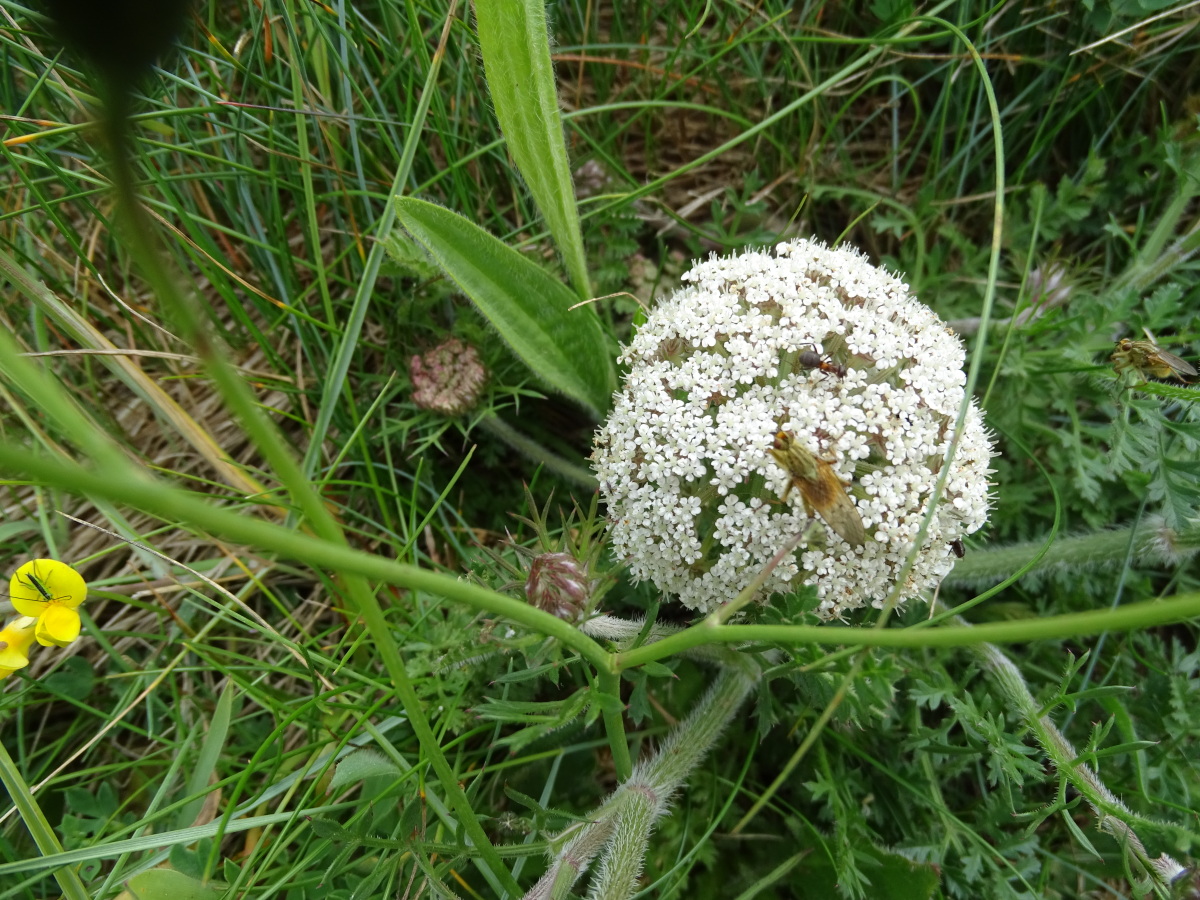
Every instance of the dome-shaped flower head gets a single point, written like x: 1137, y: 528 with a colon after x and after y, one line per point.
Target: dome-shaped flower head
x: 49, y: 591
x: 804, y: 393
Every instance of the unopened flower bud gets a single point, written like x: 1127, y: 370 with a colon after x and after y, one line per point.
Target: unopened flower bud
x: 558, y: 584
x: 448, y: 379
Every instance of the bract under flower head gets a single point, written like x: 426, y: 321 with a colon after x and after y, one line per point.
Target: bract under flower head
x: 819, y: 344
x: 50, y: 591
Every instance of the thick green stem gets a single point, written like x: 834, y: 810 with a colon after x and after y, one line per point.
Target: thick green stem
x: 1153, y: 542
x: 614, y: 724
x: 622, y: 825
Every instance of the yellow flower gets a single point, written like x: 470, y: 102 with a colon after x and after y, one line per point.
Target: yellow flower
x: 49, y: 591
x: 15, y: 640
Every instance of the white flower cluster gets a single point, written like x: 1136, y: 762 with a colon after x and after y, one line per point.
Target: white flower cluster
x: 812, y: 348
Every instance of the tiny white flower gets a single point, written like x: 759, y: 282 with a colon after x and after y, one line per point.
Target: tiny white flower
x: 685, y: 460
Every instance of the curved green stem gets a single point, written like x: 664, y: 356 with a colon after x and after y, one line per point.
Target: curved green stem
x: 173, y: 504
x: 1137, y: 615
x: 614, y: 724
x: 1112, y: 816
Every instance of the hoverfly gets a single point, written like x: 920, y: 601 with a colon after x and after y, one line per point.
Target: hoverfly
x: 823, y: 492
x: 1147, y: 358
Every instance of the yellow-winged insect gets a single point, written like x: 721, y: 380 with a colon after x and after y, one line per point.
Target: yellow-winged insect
x: 1147, y: 358
x: 823, y: 492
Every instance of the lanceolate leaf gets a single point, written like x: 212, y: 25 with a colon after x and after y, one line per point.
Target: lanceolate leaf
x: 566, y: 349
x: 516, y: 61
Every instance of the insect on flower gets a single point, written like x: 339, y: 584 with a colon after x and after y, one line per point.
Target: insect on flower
x: 1147, y: 358
x: 957, y: 546
x: 811, y: 359
x: 34, y: 586
x: 49, y: 591
x: 823, y: 492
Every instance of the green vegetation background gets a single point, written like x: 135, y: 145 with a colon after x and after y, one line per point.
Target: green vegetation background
x: 267, y: 148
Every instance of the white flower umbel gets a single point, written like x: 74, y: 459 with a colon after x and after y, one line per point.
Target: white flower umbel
x: 864, y: 380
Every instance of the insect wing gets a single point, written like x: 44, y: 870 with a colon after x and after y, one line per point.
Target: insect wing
x: 1171, y: 361
x: 820, y: 486
x: 835, y: 505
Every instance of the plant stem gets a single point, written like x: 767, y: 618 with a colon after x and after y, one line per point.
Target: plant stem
x: 614, y: 724
x: 1153, y: 542
x: 1112, y: 816
x: 39, y: 827
x: 623, y: 824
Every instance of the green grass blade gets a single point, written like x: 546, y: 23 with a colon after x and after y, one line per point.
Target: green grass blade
x: 566, y: 349
x: 516, y: 62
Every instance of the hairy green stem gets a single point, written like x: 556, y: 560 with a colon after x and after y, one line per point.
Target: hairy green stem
x: 626, y: 852
x: 623, y: 824
x: 1153, y: 543
x: 1112, y: 816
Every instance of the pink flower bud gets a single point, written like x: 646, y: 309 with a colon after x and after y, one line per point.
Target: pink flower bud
x: 448, y: 379
x: 558, y: 584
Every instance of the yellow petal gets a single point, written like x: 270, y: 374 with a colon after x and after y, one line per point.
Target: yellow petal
x: 42, y: 582
x: 15, y: 640
x: 57, y: 626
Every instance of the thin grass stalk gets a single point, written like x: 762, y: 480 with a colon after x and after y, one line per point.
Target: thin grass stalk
x: 39, y: 826
x: 335, y: 380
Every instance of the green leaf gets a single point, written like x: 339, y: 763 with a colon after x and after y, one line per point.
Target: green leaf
x: 360, y: 765
x: 566, y: 349
x: 214, y: 733
x: 515, y: 46
x: 658, y: 670
x: 75, y: 679
x: 891, y: 876
x: 167, y: 884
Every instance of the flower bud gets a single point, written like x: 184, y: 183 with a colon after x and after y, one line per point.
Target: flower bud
x: 448, y: 379
x: 558, y: 584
